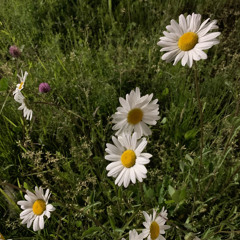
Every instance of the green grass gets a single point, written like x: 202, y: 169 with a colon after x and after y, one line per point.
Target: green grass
x: 91, y: 53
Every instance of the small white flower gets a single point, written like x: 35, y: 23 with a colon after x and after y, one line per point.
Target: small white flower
x: 135, y: 113
x: 35, y: 208
x: 155, y: 226
x: 196, y: 238
x: 133, y: 235
x: 127, y: 159
x: 187, y: 40
x: 22, y: 81
x: 27, y: 113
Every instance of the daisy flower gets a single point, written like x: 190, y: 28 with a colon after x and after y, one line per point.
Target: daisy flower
x: 35, y: 208
x: 27, y: 113
x: 22, y: 81
x: 135, y: 113
x: 155, y: 226
x: 187, y: 39
x: 127, y: 159
x: 133, y: 235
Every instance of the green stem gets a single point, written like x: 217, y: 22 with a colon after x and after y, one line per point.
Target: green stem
x: 197, y: 87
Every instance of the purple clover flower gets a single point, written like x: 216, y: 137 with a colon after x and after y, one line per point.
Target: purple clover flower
x: 44, y: 87
x: 14, y: 51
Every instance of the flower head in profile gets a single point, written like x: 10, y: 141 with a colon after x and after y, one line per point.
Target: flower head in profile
x: 20, y: 85
x: 44, y: 88
x: 133, y: 235
x: 135, y: 114
x: 154, y: 226
x: 35, y: 208
x: 187, y: 39
x: 14, y: 51
x: 127, y: 159
x: 27, y: 113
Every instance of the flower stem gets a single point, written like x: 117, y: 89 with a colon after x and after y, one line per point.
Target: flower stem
x: 197, y: 87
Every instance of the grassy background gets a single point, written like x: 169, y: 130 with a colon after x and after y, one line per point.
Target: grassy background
x: 91, y: 53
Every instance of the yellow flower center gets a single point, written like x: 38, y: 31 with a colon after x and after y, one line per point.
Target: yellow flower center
x: 188, y: 41
x: 154, y: 230
x: 21, y: 85
x: 135, y: 116
x: 128, y: 158
x: 39, y: 207
x: 1, y: 237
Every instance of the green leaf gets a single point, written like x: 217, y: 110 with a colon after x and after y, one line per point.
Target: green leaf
x: 179, y: 195
x: 91, y: 230
x: 190, y: 134
x: 3, y: 84
x: 171, y: 190
x: 79, y: 223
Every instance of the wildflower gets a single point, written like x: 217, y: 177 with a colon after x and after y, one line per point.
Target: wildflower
x: 154, y: 226
x: 35, y: 208
x: 22, y: 81
x: 27, y: 113
x: 127, y: 159
x: 187, y: 40
x: 44, y: 88
x: 14, y: 51
x: 135, y: 113
x: 133, y: 235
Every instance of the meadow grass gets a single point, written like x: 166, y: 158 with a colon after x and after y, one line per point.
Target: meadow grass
x: 91, y: 53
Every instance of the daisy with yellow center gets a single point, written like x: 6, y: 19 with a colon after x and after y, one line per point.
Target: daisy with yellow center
x: 35, y: 208
x: 155, y: 226
x: 135, y: 114
x: 187, y: 39
x: 127, y: 159
x: 22, y: 79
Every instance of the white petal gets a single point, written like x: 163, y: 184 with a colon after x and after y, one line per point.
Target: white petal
x: 126, y: 178
x: 41, y: 222
x: 183, y: 23
x: 209, y: 37
x: 184, y: 59
x: 178, y: 57
x: 36, y: 224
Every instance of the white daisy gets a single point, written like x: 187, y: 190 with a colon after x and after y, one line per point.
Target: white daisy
x: 133, y: 235
x: 27, y: 113
x: 135, y: 113
x: 188, y: 39
x: 154, y: 227
x: 127, y: 159
x: 35, y: 208
x: 22, y: 81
